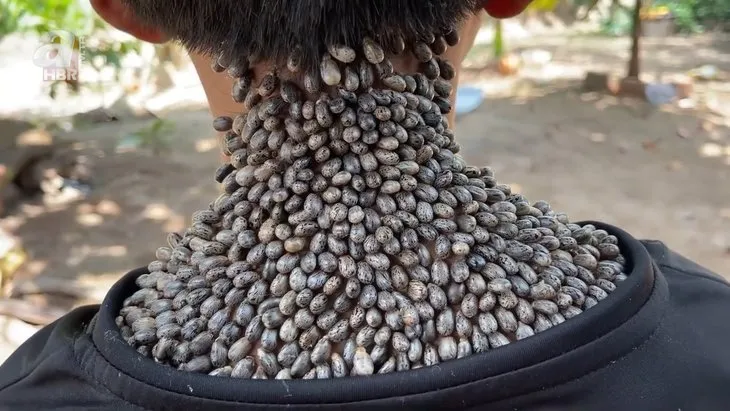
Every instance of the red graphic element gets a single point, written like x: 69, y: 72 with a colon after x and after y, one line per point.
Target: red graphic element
x: 504, y: 9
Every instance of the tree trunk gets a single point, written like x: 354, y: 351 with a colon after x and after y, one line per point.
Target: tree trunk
x: 634, y: 64
x: 498, y: 39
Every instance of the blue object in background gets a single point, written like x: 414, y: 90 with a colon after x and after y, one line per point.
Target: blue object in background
x: 468, y: 99
x: 660, y: 94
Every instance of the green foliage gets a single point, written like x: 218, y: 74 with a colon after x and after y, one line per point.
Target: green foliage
x: 684, y: 15
x: 76, y: 16
x: 42, y: 16
x: 716, y: 11
x: 690, y: 16
x: 618, y: 24
x: 543, y: 5
x: 11, y: 13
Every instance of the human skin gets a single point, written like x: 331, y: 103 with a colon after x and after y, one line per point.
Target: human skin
x: 217, y: 86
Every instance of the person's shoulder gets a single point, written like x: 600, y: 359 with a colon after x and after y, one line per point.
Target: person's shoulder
x: 45, y: 372
x: 673, y: 264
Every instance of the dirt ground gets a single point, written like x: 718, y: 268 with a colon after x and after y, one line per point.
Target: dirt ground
x: 658, y: 173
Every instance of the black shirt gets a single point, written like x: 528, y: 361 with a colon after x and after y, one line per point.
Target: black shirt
x: 659, y: 342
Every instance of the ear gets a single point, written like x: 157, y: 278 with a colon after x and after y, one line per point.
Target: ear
x: 121, y: 17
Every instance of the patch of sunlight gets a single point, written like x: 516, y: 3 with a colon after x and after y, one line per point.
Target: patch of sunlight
x: 97, y: 280
x: 710, y: 54
x: 665, y: 55
x: 498, y: 86
x: 80, y: 253
x: 32, y: 210
x: 157, y: 212
x: 524, y: 89
x: 597, y: 137
x: 77, y: 288
x: 108, y: 207
x: 15, y: 332
x: 194, y: 191
x: 675, y: 165
x: 175, y: 223
x: 591, y: 96
x: 206, y: 145
x: 13, y: 222
x: 89, y: 219
x: 113, y: 251
x: 35, y: 267
x: 84, y: 208
x: 34, y: 137
x: 711, y: 150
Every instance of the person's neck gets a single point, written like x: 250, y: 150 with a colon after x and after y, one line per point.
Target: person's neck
x: 403, y: 64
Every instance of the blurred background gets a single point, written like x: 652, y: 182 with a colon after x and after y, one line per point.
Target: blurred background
x: 612, y: 110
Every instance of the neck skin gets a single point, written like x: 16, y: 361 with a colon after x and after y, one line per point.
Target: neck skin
x: 217, y: 86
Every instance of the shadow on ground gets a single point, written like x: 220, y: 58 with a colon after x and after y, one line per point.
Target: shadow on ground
x: 77, y: 250
x: 620, y: 161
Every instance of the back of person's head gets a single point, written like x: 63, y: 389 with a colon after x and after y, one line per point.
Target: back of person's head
x: 273, y: 29
x: 352, y: 238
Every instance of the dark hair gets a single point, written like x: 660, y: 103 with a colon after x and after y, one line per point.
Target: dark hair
x: 272, y: 29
